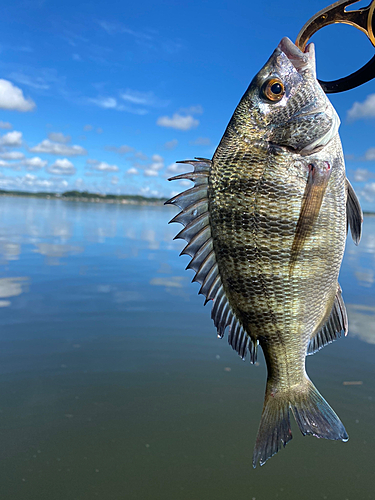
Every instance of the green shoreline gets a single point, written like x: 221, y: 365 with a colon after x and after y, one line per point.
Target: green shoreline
x: 85, y: 196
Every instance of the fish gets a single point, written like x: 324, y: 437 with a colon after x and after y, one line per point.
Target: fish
x: 266, y: 224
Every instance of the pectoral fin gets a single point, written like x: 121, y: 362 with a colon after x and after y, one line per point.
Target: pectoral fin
x: 317, y: 180
x: 354, y: 215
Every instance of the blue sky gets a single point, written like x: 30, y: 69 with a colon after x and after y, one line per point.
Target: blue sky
x: 106, y: 96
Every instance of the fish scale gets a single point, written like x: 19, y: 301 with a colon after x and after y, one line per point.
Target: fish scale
x: 266, y: 224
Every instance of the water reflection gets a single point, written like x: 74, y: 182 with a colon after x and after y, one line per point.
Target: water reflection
x: 55, y: 251
x: 362, y: 322
x: 11, y: 287
x: 117, y: 337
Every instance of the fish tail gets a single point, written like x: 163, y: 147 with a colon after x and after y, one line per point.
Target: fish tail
x: 274, y: 428
x: 314, y: 415
x: 311, y: 411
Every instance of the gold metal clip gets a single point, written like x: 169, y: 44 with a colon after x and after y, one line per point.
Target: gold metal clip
x: 361, y: 19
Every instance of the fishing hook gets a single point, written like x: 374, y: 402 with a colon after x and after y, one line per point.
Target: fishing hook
x: 362, y: 19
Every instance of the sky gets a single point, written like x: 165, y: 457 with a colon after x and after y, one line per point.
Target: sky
x: 107, y: 96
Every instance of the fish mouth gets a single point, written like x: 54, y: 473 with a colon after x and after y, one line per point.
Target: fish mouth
x: 300, y: 60
x: 304, y: 62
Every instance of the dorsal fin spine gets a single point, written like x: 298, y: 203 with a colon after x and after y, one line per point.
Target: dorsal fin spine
x: 195, y: 218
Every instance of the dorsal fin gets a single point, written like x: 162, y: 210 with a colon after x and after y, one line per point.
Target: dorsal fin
x: 332, y: 329
x: 354, y: 215
x: 197, y: 232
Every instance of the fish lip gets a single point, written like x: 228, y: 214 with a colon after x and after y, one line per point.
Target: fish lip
x: 300, y: 60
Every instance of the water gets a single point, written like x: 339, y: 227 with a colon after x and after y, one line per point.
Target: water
x: 113, y: 384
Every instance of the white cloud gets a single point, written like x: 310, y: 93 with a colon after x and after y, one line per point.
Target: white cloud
x: 59, y: 137
x: 105, y: 102
x: 178, y: 168
x: 362, y: 175
x: 31, y: 182
x: 194, y: 110
x: 157, y: 164
x: 12, y: 98
x: 171, y: 144
x: 34, y: 163
x: 55, y: 148
x: 87, y: 128
x: 142, y: 98
x: 132, y: 171
x: 370, y: 154
x: 11, y: 139
x: 147, y: 191
x: 368, y: 192
x: 114, y: 180
x: 113, y: 103
x: 36, y: 82
x: 12, y: 155
x: 102, y: 166
x: 150, y: 173
x: 201, y: 141
x: 5, y: 125
x: 62, y: 167
x: 364, y: 109
x: 122, y: 150
x: 178, y: 122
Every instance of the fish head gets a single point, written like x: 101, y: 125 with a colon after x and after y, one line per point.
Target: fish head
x: 285, y: 104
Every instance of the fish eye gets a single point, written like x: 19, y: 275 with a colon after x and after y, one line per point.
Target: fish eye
x: 273, y: 90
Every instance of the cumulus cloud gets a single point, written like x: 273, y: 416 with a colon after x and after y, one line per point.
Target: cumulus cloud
x: 5, y: 125
x: 122, y: 150
x: 56, y: 148
x: 178, y: 122
x: 157, y: 164
x: 132, y: 171
x: 13, y: 139
x: 365, y: 109
x: 368, y: 192
x: 12, y: 98
x: 34, y: 163
x: 114, y: 180
x: 102, y: 166
x: 87, y: 128
x: 177, y: 168
x: 12, y: 155
x: 30, y: 182
x: 59, y: 137
x: 62, y: 167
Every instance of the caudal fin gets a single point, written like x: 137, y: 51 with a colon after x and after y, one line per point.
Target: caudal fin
x: 314, y: 415
x: 311, y: 411
x: 274, y: 429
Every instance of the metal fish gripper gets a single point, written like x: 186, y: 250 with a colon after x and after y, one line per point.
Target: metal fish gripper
x: 362, y: 19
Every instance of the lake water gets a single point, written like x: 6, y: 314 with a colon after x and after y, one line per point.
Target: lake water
x: 113, y: 384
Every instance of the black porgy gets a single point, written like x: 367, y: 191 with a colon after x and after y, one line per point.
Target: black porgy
x: 266, y: 224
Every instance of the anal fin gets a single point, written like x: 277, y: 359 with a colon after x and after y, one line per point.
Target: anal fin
x: 333, y: 327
